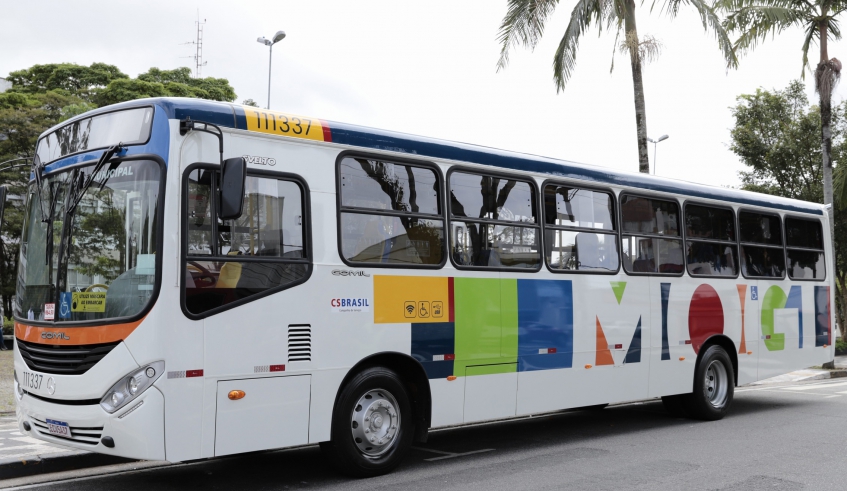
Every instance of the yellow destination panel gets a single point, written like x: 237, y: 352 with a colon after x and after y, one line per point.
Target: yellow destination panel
x: 405, y: 299
x: 277, y: 123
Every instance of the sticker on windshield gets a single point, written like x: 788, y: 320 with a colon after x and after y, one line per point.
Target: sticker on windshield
x: 65, y: 301
x: 145, y: 264
x: 88, y: 302
x: 49, y: 311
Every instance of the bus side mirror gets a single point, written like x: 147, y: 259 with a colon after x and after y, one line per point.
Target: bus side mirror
x: 233, y: 174
x: 2, y: 204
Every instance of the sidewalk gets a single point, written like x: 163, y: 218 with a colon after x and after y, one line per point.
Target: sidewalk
x: 810, y: 374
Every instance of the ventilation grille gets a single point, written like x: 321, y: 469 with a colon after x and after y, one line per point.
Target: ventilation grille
x: 62, y: 360
x: 299, y: 342
x: 84, y: 435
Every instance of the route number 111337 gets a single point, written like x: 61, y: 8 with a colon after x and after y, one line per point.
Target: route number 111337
x: 277, y: 123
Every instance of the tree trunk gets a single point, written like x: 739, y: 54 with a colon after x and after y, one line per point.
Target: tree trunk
x: 824, y: 88
x: 638, y: 87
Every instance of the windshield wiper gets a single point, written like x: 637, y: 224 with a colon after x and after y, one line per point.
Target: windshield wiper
x: 79, y: 191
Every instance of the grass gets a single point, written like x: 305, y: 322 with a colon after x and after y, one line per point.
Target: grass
x: 7, y: 398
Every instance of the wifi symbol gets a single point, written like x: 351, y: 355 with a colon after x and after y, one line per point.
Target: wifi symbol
x: 409, y: 310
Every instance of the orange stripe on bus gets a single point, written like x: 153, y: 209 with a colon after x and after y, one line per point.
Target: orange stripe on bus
x: 69, y: 336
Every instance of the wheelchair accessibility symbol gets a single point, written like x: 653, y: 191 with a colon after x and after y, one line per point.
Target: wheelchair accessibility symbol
x: 65, y: 305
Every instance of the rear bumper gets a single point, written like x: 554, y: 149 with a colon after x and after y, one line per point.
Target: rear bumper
x: 138, y: 430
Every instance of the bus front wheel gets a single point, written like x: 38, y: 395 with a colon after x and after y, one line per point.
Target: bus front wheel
x: 714, y: 386
x: 372, y: 426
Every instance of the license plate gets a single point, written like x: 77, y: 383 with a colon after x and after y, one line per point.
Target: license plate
x: 32, y: 381
x: 58, y: 428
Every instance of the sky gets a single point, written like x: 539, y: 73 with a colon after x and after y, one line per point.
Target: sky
x: 429, y: 68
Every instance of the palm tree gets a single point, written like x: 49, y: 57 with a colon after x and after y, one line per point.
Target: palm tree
x: 755, y: 20
x: 524, y: 24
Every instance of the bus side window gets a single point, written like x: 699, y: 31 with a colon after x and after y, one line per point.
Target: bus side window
x: 651, y: 239
x: 804, y: 249
x: 390, y: 213
x: 710, y: 244
x: 761, y: 245
x: 494, y: 222
x: 270, y: 232
x: 579, y: 231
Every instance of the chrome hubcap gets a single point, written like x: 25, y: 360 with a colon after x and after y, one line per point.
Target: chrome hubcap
x: 375, y: 422
x: 716, y: 384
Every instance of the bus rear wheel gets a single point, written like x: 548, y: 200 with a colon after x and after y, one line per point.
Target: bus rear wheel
x: 714, y: 386
x: 372, y: 426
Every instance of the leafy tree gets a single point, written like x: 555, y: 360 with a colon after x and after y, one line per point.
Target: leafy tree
x: 776, y: 134
x: 70, y: 78
x: 249, y: 102
x: 756, y: 20
x: 524, y: 24
x: 166, y: 83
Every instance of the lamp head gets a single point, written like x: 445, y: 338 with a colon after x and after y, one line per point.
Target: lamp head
x: 279, y: 36
x: 663, y: 138
x: 264, y: 41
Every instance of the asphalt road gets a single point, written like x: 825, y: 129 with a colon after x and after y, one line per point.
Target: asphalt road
x: 776, y: 438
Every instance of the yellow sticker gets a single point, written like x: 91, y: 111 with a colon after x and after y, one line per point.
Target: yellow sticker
x: 277, y: 123
x: 88, y: 302
x: 404, y: 299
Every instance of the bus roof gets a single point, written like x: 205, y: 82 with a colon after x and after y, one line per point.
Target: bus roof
x: 233, y: 116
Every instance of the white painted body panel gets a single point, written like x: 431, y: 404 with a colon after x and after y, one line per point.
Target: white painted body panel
x: 274, y: 413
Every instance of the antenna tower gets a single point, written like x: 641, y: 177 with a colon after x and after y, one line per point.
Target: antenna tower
x: 198, y: 47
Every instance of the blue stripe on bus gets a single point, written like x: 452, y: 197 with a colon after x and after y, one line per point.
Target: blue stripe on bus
x: 232, y: 116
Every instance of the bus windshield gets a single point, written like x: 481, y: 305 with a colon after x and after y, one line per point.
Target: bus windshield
x: 102, y: 264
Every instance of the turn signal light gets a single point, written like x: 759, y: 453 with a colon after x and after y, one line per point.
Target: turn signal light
x: 451, y: 378
x: 235, y: 395
x: 749, y: 352
x: 587, y: 366
x: 681, y: 358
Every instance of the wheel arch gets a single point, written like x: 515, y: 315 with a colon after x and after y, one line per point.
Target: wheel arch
x: 724, y: 342
x: 414, y: 378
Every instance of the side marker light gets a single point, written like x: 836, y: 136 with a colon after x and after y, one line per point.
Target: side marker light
x: 749, y: 352
x: 235, y: 395
x: 587, y: 366
x: 823, y: 345
x: 451, y: 378
x: 681, y: 358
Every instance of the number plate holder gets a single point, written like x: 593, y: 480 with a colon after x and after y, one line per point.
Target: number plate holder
x: 58, y: 428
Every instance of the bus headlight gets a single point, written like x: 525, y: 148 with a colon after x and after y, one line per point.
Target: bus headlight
x: 131, y: 386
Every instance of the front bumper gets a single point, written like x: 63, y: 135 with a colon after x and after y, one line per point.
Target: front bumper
x: 138, y: 430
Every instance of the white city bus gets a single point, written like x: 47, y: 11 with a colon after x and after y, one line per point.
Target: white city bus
x: 201, y: 279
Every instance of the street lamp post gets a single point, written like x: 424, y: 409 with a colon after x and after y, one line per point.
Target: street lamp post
x: 656, y: 142
x: 279, y: 36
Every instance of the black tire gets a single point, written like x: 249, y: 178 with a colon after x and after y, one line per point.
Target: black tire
x: 355, y: 456
x: 596, y: 407
x: 714, y: 386
x: 674, y: 406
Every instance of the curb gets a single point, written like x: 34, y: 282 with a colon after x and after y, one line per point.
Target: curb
x: 800, y: 377
x: 58, y: 462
